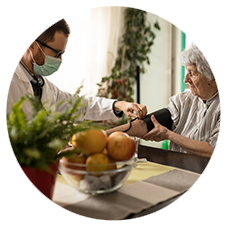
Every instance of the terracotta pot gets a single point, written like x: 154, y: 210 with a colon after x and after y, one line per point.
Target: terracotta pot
x: 24, y: 201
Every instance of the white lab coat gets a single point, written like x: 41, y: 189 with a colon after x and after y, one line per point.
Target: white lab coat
x: 96, y: 109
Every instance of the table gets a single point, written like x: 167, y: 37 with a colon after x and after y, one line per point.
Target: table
x: 180, y: 160
x: 166, y: 157
x: 197, y: 203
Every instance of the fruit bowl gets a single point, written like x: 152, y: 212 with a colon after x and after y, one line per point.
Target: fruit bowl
x: 96, y: 182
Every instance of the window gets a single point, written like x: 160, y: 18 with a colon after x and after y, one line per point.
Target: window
x: 91, y: 50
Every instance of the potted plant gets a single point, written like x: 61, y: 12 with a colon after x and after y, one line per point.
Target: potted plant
x: 36, y: 141
x: 135, y: 46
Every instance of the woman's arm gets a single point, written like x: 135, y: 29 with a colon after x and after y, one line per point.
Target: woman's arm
x: 200, y: 148
x: 160, y: 133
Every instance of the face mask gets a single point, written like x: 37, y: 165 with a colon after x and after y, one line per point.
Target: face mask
x: 50, y: 65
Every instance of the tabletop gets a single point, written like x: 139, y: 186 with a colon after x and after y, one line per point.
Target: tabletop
x: 164, y: 160
x: 197, y: 203
x: 180, y: 160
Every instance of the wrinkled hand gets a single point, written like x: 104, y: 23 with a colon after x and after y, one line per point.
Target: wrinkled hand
x: 130, y: 108
x: 158, y: 133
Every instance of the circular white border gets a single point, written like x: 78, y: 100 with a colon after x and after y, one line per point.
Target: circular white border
x: 186, y: 195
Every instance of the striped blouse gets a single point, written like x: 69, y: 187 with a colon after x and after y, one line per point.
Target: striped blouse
x: 194, y: 118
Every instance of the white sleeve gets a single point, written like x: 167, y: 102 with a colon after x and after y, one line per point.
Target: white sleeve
x: 96, y: 108
x: 100, y: 109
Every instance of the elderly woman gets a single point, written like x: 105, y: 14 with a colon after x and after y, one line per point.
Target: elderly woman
x: 191, y: 120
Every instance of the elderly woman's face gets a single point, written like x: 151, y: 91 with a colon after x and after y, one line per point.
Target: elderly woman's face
x: 198, y: 83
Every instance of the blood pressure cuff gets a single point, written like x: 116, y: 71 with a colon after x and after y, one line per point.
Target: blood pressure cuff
x: 163, y: 116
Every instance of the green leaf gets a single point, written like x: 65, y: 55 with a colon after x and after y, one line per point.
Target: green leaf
x: 56, y: 144
x: 33, y: 153
x: 99, y: 84
x: 17, y: 119
x: 156, y: 25
x: 137, y: 39
x: 35, y: 141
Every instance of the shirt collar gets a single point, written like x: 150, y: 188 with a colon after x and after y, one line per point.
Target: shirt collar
x: 210, y: 100
x: 28, y: 75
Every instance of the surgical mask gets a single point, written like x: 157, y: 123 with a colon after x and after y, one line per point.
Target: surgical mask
x: 50, y: 65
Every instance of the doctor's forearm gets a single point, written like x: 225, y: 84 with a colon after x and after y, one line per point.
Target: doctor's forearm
x: 200, y: 148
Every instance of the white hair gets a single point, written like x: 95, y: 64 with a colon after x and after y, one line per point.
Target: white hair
x: 193, y: 56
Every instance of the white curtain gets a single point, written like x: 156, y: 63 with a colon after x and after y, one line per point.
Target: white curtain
x: 19, y: 13
x: 91, y: 50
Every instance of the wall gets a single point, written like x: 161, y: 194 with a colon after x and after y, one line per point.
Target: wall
x: 156, y: 84
x: 177, y: 48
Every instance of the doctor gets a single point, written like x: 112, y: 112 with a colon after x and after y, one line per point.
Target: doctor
x: 44, y: 57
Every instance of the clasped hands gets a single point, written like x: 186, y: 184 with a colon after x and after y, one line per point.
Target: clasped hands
x: 131, y: 109
x: 158, y: 133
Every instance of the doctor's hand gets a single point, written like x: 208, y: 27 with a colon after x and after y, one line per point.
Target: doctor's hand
x: 130, y: 108
x: 158, y: 133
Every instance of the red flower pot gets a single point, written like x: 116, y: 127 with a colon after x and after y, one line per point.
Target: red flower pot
x: 24, y: 200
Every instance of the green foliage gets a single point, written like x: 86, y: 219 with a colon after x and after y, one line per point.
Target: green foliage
x: 135, y: 46
x: 36, y: 141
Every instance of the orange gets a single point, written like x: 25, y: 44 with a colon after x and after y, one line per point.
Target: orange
x: 97, y: 162
x: 111, y: 164
x: 91, y: 141
x: 74, y: 140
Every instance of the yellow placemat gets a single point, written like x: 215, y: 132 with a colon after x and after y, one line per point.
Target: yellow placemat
x: 142, y: 171
x: 145, y: 170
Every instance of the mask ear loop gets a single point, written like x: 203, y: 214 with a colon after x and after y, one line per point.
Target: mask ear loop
x: 34, y: 62
x: 41, y: 49
x: 39, y: 80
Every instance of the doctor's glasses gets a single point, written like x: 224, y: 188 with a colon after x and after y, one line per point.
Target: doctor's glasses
x: 59, y: 53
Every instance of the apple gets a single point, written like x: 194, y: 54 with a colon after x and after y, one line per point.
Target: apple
x: 69, y: 163
x: 120, y: 146
x: 77, y: 158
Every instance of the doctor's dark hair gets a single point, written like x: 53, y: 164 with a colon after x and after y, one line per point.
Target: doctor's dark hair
x: 34, y: 20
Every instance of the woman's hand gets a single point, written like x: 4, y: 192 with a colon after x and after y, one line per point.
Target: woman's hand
x: 130, y: 108
x: 158, y: 133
